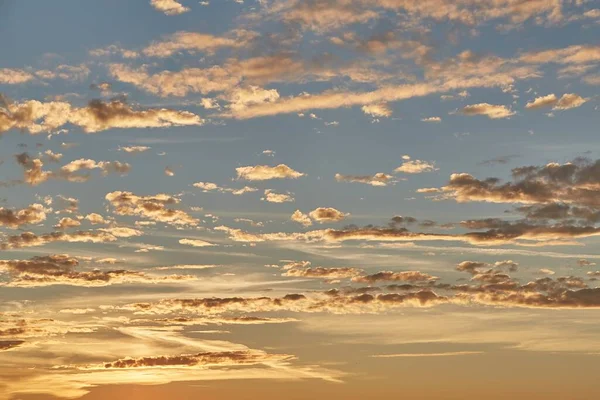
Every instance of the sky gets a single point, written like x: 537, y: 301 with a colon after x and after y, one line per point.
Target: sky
x: 300, y: 199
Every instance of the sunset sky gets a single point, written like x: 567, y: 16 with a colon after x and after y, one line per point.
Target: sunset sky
x: 299, y: 199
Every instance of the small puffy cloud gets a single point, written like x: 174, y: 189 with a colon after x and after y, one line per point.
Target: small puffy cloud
x: 566, y: 102
x: 67, y: 222
x: 327, y: 214
x: 169, y: 7
x: 122, y: 231
x: 273, y: 197
x: 377, y: 110
x: 10, y: 76
x: 489, y: 110
x: 34, y: 214
x: 209, y: 104
x: 324, y: 273
x: 416, y: 167
x: 152, y: 207
x: 134, y: 149
x: 379, y: 179
x: 542, y: 102
x: 432, y: 119
x: 95, y: 219
x: 169, y: 171
x: 405, y: 276
x: 301, y: 218
x: 241, y: 98
x: 546, y: 271
x: 213, y: 187
x: 265, y: 172
x: 196, y: 243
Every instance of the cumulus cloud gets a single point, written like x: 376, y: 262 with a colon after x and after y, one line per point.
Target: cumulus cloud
x: 573, y: 183
x: 567, y: 101
x: 59, y: 269
x: 265, y: 172
x: 405, y: 276
x: 491, y: 111
x: 153, y: 207
x: 134, y: 149
x: 169, y: 7
x: 416, y: 167
x: 324, y: 273
x: 327, y: 214
x: 301, y: 218
x: 95, y: 219
x: 273, y: 197
x: 35, y: 175
x: 196, y: 243
x: 379, y: 179
x: 33, y: 214
x: 10, y: 76
x: 213, y: 187
x: 37, y: 117
x: 377, y: 110
x: 67, y: 222
x: 30, y: 239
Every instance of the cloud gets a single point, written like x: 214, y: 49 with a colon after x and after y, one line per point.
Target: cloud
x: 95, y: 219
x: 134, y: 149
x: 301, y: 218
x: 67, y: 222
x: 169, y: 7
x: 60, y: 270
x: 122, y: 231
x: 35, y: 175
x: 36, y: 117
x: 448, y: 354
x: 176, y: 83
x: 542, y: 102
x: 377, y: 110
x: 152, y: 207
x: 210, y: 187
x: 566, y: 102
x: 33, y: 214
x: 379, y: 179
x: 432, y: 119
x: 14, y: 76
x: 196, y: 243
x: 10, y: 344
x: 577, y: 54
x: 416, y: 167
x: 265, y: 172
x: 572, y: 183
x: 324, y: 273
x: 336, y: 14
x: 197, y: 42
x: 490, y: 232
x: 273, y: 197
x: 327, y: 214
x: 30, y: 239
x: 490, y: 110
x: 405, y: 276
